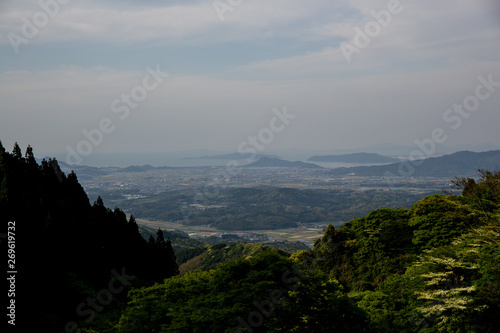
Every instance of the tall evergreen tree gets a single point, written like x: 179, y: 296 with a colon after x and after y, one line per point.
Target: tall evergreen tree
x: 29, y: 153
x: 17, y: 152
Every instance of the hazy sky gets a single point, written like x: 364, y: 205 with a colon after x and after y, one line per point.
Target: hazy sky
x: 81, y: 64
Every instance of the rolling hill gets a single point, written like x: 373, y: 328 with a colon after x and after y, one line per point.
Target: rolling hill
x: 460, y: 164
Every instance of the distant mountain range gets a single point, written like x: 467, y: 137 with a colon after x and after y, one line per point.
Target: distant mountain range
x: 354, y: 158
x: 232, y: 156
x: 460, y: 164
x: 268, y: 162
x: 86, y: 172
x: 463, y: 163
x: 396, y: 149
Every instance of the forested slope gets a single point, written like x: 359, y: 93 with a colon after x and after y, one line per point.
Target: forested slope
x: 70, y: 254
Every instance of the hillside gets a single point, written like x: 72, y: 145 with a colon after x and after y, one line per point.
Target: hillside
x: 354, y: 158
x: 464, y: 163
x: 216, y: 254
x: 431, y: 268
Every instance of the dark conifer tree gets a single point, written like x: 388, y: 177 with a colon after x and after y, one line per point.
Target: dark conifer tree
x: 82, y: 244
x: 29, y: 154
x: 171, y: 259
x: 132, y: 225
x: 99, y: 202
x: 159, y: 237
x: 17, y: 152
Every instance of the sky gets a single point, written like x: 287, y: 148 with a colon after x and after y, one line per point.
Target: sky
x: 83, y: 77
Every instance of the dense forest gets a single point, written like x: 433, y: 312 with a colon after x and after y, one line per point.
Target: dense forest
x: 433, y: 267
x: 72, y: 258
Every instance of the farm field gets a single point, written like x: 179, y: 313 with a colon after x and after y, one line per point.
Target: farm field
x: 304, y: 235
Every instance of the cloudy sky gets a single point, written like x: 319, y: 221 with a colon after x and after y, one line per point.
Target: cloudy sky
x: 73, y: 66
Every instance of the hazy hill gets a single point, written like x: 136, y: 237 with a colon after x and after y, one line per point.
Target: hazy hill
x: 354, y: 158
x: 89, y: 172
x: 268, y: 162
x: 464, y: 163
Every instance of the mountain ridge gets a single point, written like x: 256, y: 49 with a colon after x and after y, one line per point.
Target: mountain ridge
x: 463, y: 163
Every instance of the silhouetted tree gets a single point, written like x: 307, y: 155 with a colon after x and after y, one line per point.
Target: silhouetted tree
x: 17, y: 152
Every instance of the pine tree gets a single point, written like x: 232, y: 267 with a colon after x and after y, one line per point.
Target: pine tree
x: 133, y: 227
x: 172, y: 260
x: 99, y: 202
x: 17, y: 152
x: 159, y: 237
x: 29, y: 153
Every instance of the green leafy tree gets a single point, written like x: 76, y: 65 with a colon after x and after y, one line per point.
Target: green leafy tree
x: 438, y: 219
x: 380, y: 308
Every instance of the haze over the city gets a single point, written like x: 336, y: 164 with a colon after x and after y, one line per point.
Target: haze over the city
x: 348, y: 74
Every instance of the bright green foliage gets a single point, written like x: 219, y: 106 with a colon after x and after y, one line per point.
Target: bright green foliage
x: 441, y: 291
x: 367, y: 249
x: 438, y: 219
x: 432, y: 268
x: 447, y: 288
x: 205, y: 301
x: 216, y: 254
x: 483, y: 195
x: 265, y: 292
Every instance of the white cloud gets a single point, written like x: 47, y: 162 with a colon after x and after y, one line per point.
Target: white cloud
x: 174, y: 23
